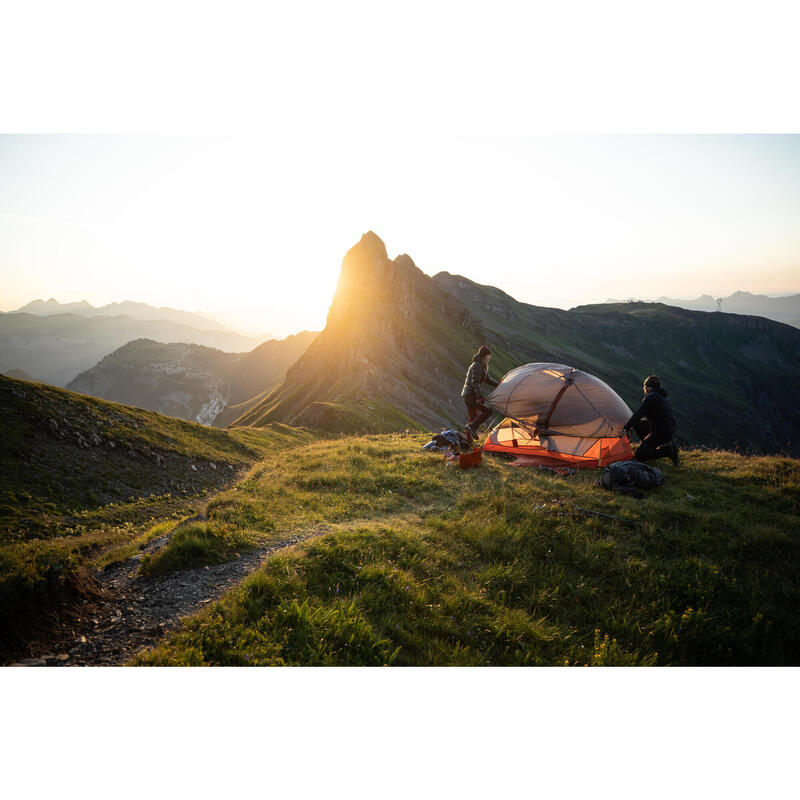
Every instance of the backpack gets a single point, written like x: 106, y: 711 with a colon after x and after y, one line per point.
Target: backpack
x: 631, y: 473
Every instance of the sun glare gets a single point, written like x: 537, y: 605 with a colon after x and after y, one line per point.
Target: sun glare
x: 258, y: 223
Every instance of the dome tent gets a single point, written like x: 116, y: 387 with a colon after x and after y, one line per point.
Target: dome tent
x: 560, y: 416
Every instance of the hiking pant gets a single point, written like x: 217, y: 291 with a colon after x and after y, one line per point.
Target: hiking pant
x: 477, y: 413
x: 655, y: 444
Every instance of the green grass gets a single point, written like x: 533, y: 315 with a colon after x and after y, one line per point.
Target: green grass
x: 37, y: 575
x: 410, y: 561
x: 362, y: 415
x: 63, y: 453
x: 197, y: 545
x: 302, y: 489
x: 427, y: 564
x: 131, y: 547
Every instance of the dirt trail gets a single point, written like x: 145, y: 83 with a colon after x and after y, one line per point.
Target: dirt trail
x: 132, y: 612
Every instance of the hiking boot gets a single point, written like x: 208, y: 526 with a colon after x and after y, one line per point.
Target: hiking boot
x: 674, y: 453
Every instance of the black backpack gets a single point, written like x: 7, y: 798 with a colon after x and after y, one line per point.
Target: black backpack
x: 631, y: 473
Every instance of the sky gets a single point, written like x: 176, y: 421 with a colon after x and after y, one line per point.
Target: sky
x: 254, y: 228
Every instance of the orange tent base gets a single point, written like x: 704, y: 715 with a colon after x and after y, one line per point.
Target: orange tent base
x: 600, y: 454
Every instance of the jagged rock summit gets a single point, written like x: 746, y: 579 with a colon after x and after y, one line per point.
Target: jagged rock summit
x: 393, y: 340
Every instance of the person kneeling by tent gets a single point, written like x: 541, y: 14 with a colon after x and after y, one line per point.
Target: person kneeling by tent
x: 657, y: 431
x: 478, y: 373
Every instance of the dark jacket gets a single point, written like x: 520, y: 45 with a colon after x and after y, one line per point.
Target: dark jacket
x: 658, y: 411
x: 476, y: 375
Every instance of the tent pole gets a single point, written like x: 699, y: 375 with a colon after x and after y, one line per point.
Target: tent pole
x: 490, y: 423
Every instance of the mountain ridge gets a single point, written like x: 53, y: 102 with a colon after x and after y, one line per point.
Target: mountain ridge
x: 56, y: 348
x: 188, y: 381
x: 784, y: 309
x: 396, y: 336
x: 129, y: 308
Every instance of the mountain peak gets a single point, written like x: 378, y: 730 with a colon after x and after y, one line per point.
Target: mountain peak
x: 54, y: 306
x: 371, y: 284
x: 370, y: 244
x: 405, y: 262
x: 365, y: 272
x: 393, y: 339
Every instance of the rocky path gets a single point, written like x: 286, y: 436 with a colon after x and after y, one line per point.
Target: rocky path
x: 132, y: 613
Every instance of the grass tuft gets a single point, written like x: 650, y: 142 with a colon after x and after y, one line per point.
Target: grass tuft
x: 197, y: 545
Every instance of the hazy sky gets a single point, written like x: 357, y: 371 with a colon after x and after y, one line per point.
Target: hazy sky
x: 261, y: 224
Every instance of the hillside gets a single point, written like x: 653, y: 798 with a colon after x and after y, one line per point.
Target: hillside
x: 262, y: 369
x: 368, y: 550
x: 409, y: 562
x: 189, y: 381
x: 732, y: 378
x: 78, y: 475
x: 397, y: 344
x: 57, y: 348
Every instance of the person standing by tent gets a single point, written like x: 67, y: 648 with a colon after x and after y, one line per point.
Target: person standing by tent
x: 477, y: 374
x: 657, y: 432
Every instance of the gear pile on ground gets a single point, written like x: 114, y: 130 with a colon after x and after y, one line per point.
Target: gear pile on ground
x: 448, y: 442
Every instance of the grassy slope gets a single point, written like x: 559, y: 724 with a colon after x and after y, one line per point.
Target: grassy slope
x: 63, y: 451
x: 67, y: 494
x: 367, y: 416
x: 426, y: 564
x: 231, y: 413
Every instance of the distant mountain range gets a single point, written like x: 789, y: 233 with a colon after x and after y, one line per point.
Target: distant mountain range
x: 397, y: 344
x: 128, y: 308
x: 54, y: 348
x: 190, y: 381
x: 781, y: 309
